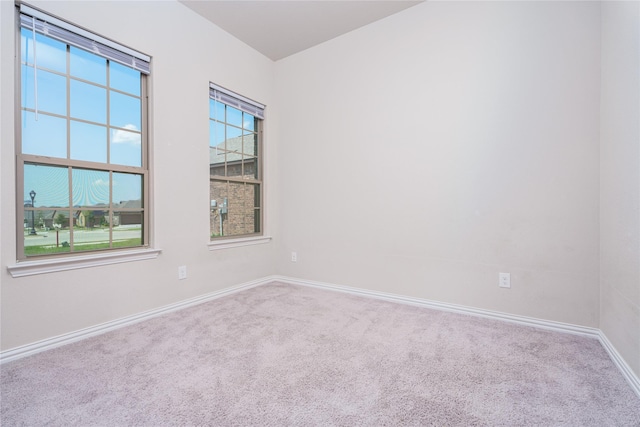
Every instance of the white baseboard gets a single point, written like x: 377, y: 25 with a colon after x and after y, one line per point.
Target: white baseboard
x: 50, y: 343
x: 523, y: 320
x: 624, y: 368
x: 60, y: 340
x: 595, y: 333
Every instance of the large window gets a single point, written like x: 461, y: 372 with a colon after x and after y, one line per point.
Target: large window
x: 82, y: 145
x: 235, y: 186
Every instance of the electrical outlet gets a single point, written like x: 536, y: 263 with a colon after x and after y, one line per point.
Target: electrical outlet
x: 182, y: 272
x: 294, y: 256
x: 504, y: 280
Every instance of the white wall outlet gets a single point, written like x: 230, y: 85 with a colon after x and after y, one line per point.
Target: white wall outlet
x: 294, y: 256
x: 504, y: 280
x: 182, y: 272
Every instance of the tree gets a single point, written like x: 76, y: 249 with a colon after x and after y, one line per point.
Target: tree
x: 62, y: 220
x: 89, y: 218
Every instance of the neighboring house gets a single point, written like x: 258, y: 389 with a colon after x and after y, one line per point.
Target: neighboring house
x: 94, y: 217
x: 46, y: 219
x: 233, y: 158
x: 91, y: 218
x: 42, y: 218
x: 127, y: 217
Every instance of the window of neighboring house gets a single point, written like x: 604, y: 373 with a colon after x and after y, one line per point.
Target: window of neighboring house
x: 235, y: 164
x: 82, y: 163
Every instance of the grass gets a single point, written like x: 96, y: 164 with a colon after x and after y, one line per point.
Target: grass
x: 44, y: 250
x: 48, y: 249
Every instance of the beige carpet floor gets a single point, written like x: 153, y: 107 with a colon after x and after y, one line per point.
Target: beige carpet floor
x: 280, y: 355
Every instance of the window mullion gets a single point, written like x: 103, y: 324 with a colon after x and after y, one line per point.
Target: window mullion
x: 234, y: 180
x: 68, y: 91
x: 144, y: 129
x: 71, y: 223
x: 110, y: 210
x: 32, y: 158
x: 108, y: 117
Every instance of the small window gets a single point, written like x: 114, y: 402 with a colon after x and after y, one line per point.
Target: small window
x: 235, y: 164
x: 82, y: 174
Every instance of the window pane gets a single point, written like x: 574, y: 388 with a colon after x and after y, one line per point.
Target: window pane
x: 52, y: 233
x: 216, y: 161
x: 88, y: 102
x: 52, y: 91
x: 216, y: 133
x: 250, y: 168
x: 243, y: 216
x: 249, y: 159
x: 88, y: 142
x: 90, y: 188
x: 232, y: 132
x: 87, y: 66
x: 216, y: 110
x: 124, y: 111
x: 127, y: 190
x: 233, y: 144
x: 124, y: 78
x: 250, y: 145
x: 91, y: 231
x: 49, y: 183
x: 217, y: 218
x: 46, y: 136
x: 241, y: 213
x: 234, y: 116
x: 127, y: 229
x: 48, y: 240
x: 248, y: 122
x: 126, y: 148
x: 255, y: 191
x: 233, y: 148
x: 50, y: 54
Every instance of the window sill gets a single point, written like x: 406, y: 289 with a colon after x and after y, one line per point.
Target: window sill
x: 235, y: 243
x: 51, y: 265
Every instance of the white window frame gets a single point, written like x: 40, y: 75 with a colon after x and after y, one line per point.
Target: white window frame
x: 255, y: 109
x: 70, y: 34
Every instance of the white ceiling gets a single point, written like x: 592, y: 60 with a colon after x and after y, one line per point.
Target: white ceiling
x: 281, y: 28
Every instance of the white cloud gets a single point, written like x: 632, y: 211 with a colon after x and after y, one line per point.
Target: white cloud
x: 120, y: 136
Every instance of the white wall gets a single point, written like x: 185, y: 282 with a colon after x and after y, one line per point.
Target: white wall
x: 420, y: 155
x: 620, y: 179
x: 425, y: 153
x: 187, y: 53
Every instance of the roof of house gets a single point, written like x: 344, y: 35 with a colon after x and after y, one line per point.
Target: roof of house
x: 234, y: 148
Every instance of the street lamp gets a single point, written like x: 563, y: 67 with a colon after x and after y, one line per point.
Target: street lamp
x: 33, y: 221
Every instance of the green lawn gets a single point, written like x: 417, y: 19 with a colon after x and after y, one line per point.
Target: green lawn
x: 48, y: 249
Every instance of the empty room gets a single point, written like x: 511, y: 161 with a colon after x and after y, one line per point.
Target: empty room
x: 349, y: 213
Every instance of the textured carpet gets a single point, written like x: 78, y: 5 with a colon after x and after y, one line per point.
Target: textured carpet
x: 280, y: 355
